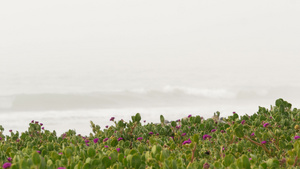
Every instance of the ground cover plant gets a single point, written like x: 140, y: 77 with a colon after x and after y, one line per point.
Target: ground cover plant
x: 266, y: 139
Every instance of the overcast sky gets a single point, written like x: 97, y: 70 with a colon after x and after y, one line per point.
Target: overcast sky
x: 254, y: 34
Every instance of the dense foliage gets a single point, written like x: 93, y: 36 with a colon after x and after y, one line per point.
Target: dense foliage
x: 267, y: 139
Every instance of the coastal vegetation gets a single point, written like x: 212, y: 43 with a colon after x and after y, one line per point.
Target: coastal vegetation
x: 268, y: 138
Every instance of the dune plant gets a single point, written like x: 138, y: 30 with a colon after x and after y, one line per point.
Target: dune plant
x: 269, y: 138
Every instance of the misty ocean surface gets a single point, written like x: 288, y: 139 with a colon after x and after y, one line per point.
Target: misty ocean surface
x: 70, y: 100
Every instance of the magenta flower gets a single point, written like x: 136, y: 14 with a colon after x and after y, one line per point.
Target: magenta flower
x: 252, y: 134
x: 41, y: 124
x: 60, y: 153
x: 140, y: 138
x: 266, y: 124
x: 296, y: 137
x: 109, y: 158
x: 6, y: 165
x: 222, y: 131
x: 213, y: 130
x: 187, y: 142
x: 250, y: 158
x: 118, y: 149
x: 206, y: 136
x: 43, y: 128
x: 105, y: 139
x: 189, y: 116
x: 144, y: 121
x: 36, y: 122
x: 86, y: 141
x: 10, y: 130
x: 106, y: 146
x: 263, y: 142
x: 112, y: 118
x: 96, y: 140
x: 270, y: 117
x: 0, y: 138
x: 61, y: 168
x: 106, y: 126
x: 157, y: 134
x: 206, y: 166
x: 38, y: 152
x: 9, y: 159
x: 178, y: 120
x: 119, y: 139
x: 150, y: 133
x: 183, y: 134
x: 32, y: 121
x: 178, y: 127
x: 243, y: 122
x: 87, y: 144
x: 233, y: 112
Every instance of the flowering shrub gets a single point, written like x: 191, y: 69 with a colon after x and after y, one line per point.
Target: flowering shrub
x: 255, y: 141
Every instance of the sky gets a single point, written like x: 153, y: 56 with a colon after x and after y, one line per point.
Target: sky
x: 215, y: 36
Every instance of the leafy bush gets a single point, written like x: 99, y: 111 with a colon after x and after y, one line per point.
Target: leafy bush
x: 267, y: 139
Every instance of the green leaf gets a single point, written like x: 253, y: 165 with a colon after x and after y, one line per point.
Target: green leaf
x: 87, y: 166
x: 36, y: 158
x: 228, y: 160
x: 114, y: 143
x: 162, y: 119
x: 239, y: 132
x: 217, y: 164
x: 198, y: 119
x: 91, y: 152
x: 135, y: 161
x: 173, y: 124
x: 106, y: 161
x: 196, y: 138
x: 246, y: 162
x: 138, y: 117
x: 68, y: 152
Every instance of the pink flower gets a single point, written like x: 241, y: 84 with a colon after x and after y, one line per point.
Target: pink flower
x: 183, y: 134
x: 243, y: 122
x: 9, y: 159
x: 266, y: 124
x: 140, y: 138
x: 61, y: 168
x: 187, y: 142
x: 296, y: 137
x: 112, y: 118
x: 41, y: 124
x: 60, y: 153
x: 106, y: 146
x: 43, y: 128
x: 96, y: 140
x: 213, y: 130
x: 109, y: 158
x: 189, y: 116
x: 150, y: 133
x: 87, y: 144
x: 105, y: 139
x: 206, y: 136
x: 252, y: 134
x: 118, y: 149
x: 119, y: 139
x: 6, y: 165
x: 263, y: 142
x: 86, y: 141
x: 38, y: 152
